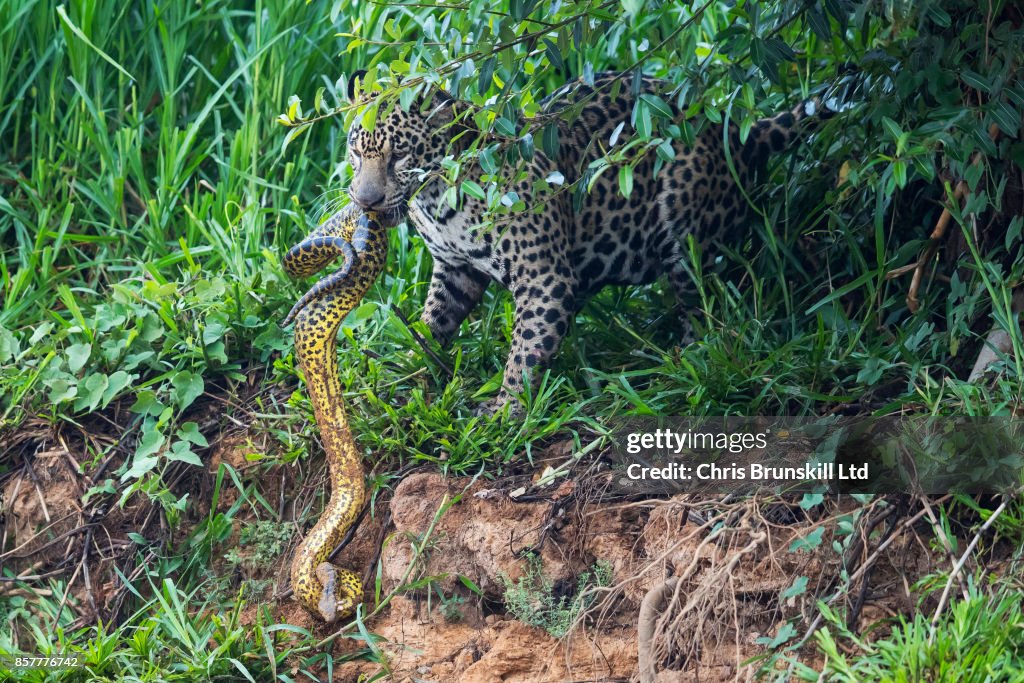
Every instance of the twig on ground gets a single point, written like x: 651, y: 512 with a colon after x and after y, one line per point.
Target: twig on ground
x: 871, y: 559
x: 858, y: 604
x: 963, y: 560
x: 13, y: 552
x: 39, y: 488
x: 85, y: 571
x: 946, y: 545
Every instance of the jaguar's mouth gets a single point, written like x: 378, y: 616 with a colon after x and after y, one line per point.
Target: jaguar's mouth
x: 390, y: 216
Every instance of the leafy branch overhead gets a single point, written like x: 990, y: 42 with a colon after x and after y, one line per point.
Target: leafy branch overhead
x: 500, y: 64
x: 898, y: 75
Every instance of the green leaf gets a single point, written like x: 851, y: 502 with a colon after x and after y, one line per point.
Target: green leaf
x: 62, y: 390
x: 786, y: 633
x: 549, y: 140
x: 115, y: 385
x: 892, y: 128
x: 369, y: 118
x: 487, y: 76
x: 665, y: 151
x: 632, y: 7
x: 1013, y: 231
x: 614, y: 137
x: 470, y: 585
x: 181, y: 451
x: 526, y: 148
x: 842, y: 291
x: 492, y: 385
x: 188, y: 387
x: 798, y: 587
x: 78, y: 356
x: 294, y: 108
x: 39, y: 332
x: 658, y: 106
x: 642, y: 119
x: 899, y: 171
x: 91, y: 392
x: 147, y: 403
x: 819, y: 23
x: 364, y: 311
x: 505, y: 127
x: 872, y: 371
x: 487, y: 161
x: 972, y: 174
x: 190, y: 432
x: 140, y: 467
x: 293, y: 134
x: 554, y: 55
x: 473, y: 190
x: 975, y: 80
x: 451, y: 197
x: 1006, y: 118
x: 808, y: 542
x: 145, y: 458
x: 626, y: 180
x: 151, y: 441
x: 938, y: 15
x: 62, y: 13
x: 809, y: 500
x: 9, y: 347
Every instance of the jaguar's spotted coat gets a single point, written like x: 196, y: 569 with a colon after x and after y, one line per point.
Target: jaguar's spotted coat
x: 553, y: 260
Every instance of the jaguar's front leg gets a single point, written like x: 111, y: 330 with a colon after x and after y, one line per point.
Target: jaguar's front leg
x: 454, y: 292
x: 543, y: 311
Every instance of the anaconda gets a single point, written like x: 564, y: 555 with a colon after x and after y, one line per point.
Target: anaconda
x: 323, y: 588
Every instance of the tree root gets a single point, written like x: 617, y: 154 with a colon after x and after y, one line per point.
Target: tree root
x: 651, y: 608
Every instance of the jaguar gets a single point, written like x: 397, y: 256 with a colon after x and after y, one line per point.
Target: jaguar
x: 566, y: 245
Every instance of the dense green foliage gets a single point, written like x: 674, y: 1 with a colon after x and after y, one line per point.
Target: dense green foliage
x: 981, y: 641
x: 148, y: 189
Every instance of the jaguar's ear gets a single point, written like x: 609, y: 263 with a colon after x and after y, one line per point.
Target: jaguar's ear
x: 443, y: 97
x: 439, y: 105
x: 351, y: 86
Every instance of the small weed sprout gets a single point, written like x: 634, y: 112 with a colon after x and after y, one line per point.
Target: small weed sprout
x: 260, y: 543
x: 451, y: 606
x: 531, y: 599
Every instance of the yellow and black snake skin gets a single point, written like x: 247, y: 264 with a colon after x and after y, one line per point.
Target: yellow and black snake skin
x: 321, y: 587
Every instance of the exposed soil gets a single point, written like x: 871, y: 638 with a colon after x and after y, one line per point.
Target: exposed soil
x: 730, y: 597
x: 728, y: 565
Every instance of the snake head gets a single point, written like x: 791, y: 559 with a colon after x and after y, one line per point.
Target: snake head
x: 338, y: 593
x: 328, y: 603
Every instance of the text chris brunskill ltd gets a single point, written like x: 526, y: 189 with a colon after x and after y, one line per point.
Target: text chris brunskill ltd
x: 751, y: 472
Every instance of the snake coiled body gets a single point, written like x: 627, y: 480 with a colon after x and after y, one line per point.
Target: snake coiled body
x: 321, y: 587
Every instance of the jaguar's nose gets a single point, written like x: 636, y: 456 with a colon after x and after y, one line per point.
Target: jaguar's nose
x: 368, y: 199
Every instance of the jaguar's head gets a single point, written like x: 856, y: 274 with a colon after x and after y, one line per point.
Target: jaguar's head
x: 389, y: 161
